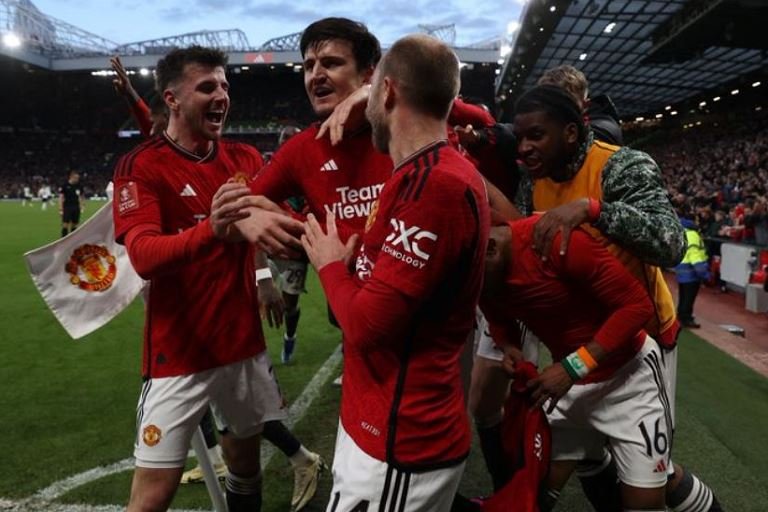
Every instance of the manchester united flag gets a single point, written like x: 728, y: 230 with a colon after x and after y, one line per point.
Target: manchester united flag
x: 85, y: 278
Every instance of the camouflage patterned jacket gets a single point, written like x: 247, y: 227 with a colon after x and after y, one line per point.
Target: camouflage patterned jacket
x: 636, y: 212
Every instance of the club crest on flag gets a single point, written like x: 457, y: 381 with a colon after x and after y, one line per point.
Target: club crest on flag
x: 91, y: 268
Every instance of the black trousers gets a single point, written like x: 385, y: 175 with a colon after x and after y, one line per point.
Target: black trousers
x: 686, y: 297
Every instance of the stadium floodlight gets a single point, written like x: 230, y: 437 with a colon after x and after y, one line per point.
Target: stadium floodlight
x: 734, y: 92
x: 245, y: 68
x: 638, y: 119
x: 552, y: 9
x: 673, y: 113
x: 505, y: 50
x: 756, y: 84
x: 583, y: 56
x: 758, y: 109
x: 703, y: 104
x: 11, y: 40
x: 659, y: 116
x: 609, y: 28
x: 668, y: 107
x: 716, y: 98
x: 144, y: 72
x: 498, y: 71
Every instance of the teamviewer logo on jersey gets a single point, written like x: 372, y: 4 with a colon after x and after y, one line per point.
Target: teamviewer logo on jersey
x: 409, y: 239
x: 330, y: 165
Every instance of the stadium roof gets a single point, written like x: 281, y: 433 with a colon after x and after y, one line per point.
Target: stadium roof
x: 645, y: 54
x: 51, y: 43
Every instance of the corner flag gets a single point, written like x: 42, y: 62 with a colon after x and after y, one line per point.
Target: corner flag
x: 85, y: 278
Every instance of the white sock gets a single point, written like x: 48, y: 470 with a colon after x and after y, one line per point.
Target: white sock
x: 301, y: 457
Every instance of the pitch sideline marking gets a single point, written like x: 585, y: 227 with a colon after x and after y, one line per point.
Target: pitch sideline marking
x: 40, y: 501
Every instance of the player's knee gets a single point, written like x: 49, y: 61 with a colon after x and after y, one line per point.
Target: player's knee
x: 242, y: 455
x: 152, y: 498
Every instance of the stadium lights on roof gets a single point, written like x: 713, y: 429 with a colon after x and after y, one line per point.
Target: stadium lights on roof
x: 703, y: 104
x: 756, y: 84
x: 673, y: 113
x: 734, y: 92
x: 638, y: 119
x: 144, y: 72
x: 716, y: 98
x: 505, y: 50
x: 609, y: 28
x: 583, y: 56
x: 11, y: 40
x: 552, y: 9
x: 541, y: 29
x: 668, y: 107
x: 498, y: 71
x: 659, y: 116
x: 245, y: 68
x: 500, y: 62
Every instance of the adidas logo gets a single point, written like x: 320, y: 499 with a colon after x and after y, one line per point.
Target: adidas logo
x: 330, y: 165
x: 661, y: 467
x: 188, y: 191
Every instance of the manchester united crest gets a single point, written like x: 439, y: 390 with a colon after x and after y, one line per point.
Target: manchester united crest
x: 151, y: 435
x: 241, y: 177
x: 92, y: 268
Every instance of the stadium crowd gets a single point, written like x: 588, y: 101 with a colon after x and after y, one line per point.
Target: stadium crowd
x: 718, y: 175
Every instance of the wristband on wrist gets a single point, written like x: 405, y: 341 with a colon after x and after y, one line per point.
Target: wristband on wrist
x: 578, y: 364
x: 593, y: 210
x: 263, y: 273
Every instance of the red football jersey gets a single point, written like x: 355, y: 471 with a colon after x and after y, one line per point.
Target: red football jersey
x: 527, y: 442
x: 345, y: 179
x: 572, y: 299
x: 202, y: 310
x: 402, y: 400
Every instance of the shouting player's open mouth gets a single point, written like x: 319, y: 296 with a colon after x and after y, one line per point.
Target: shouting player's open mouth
x: 321, y: 91
x: 215, y: 117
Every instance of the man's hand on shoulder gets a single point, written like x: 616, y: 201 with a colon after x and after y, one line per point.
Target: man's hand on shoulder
x: 349, y: 113
x: 563, y: 219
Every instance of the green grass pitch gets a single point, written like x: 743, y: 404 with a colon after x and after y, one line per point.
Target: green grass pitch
x: 68, y: 406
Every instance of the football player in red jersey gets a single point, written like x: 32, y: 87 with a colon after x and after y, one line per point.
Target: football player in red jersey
x: 202, y: 336
x: 606, y: 384
x: 408, y: 308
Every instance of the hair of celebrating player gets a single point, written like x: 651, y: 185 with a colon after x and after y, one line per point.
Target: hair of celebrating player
x: 171, y: 67
x: 365, y: 46
x: 556, y: 103
x: 426, y: 72
x: 568, y: 78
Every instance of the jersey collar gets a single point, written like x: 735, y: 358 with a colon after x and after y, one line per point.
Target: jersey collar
x: 188, y: 154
